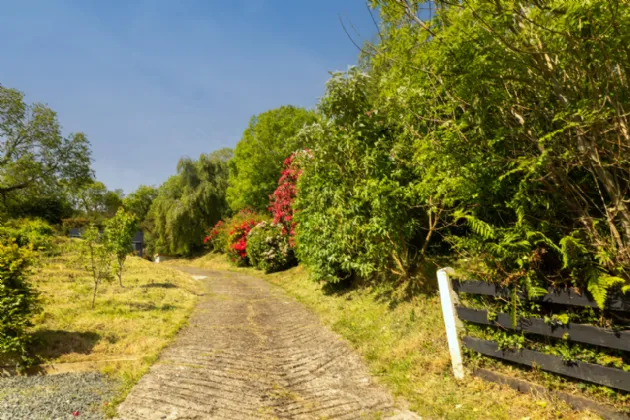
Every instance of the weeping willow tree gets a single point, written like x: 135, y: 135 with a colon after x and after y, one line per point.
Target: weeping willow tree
x: 188, y: 202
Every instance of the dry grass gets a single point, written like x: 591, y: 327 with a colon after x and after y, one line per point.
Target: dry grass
x: 405, y: 347
x: 133, y: 323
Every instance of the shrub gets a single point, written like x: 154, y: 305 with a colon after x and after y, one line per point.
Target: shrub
x: 18, y: 301
x: 358, y: 211
x: 281, y: 205
x: 239, y: 227
x: 217, y: 237
x: 25, y: 232
x: 268, y: 248
x: 237, y: 250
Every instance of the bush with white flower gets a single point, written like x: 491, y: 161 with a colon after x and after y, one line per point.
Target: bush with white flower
x: 268, y: 248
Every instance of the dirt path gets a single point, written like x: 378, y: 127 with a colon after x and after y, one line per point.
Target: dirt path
x: 252, y: 352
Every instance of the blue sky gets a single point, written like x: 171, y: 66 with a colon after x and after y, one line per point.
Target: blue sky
x: 150, y: 81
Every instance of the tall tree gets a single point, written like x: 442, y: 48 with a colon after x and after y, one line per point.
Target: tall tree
x: 34, y: 155
x: 96, y: 201
x: 139, y: 202
x: 258, y: 156
x: 189, y: 202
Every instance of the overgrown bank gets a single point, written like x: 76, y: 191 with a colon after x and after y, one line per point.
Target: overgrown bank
x: 405, y: 347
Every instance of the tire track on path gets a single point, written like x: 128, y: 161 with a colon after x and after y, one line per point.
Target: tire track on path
x: 252, y: 352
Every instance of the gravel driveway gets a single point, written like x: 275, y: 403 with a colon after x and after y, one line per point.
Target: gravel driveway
x: 55, y: 396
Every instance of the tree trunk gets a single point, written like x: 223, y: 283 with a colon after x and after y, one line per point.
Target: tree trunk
x: 120, y: 272
x: 94, y: 295
x: 611, y: 186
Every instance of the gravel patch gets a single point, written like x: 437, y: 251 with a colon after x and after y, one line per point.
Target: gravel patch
x: 55, y: 396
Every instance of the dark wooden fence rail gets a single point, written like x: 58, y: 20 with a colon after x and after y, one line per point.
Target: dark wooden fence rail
x: 581, y: 333
x: 602, y: 375
x: 589, y: 334
x: 563, y: 297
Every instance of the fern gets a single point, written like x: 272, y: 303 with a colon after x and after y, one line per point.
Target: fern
x: 532, y: 290
x: 599, y: 284
x: 536, y: 292
x: 542, y: 238
x: 478, y: 226
x: 570, y: 248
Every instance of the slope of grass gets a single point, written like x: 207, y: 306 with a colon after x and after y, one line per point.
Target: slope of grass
x: 128, y: 326
x: 405, y: 347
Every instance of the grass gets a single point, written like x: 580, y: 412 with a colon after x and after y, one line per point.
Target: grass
x: 127, y: 328
x: 405, y: 347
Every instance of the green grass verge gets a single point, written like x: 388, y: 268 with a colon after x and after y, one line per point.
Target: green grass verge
x: 133, y: 322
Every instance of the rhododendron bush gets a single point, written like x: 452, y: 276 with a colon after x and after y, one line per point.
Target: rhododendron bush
x: 239, y: 227
x: 268, y: 248
x: 217, y: 237
x: 281, y: 206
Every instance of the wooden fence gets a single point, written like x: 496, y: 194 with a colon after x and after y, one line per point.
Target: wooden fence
x: 579, y: 333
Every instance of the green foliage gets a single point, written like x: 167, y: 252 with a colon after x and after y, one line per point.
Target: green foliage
x: 96, y: 257
x: 599, y: 284
x: 511, y: 134
x: 18, y: 302
x: 96, y: 202
x: 479, y: 227
x: 139, y: 202
x: 358, y: 209
x: 51, y: 205
x: 258, y: 156
x: 36, y: 161
x: 119, y: 233
x: 35, y: 233
x: 187, y: 203
x: 238, y: 229
x: 268, y: 248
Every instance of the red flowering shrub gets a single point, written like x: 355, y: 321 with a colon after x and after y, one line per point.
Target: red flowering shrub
x: 238, y: 242
x: 282, y: 199
x: 239, y: 227
x: 217, y: 237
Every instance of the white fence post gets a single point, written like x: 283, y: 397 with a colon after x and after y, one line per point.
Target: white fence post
x: 447, y: 298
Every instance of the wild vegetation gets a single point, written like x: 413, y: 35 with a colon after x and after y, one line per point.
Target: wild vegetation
x: 488, y: 135
x: 18, y: 300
